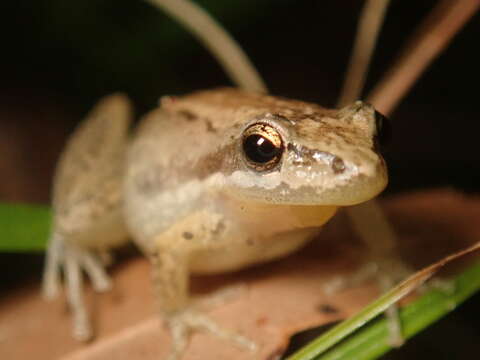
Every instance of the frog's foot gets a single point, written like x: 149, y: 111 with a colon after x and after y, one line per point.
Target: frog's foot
x: 387, y: 272
x: 184, y: 323
x: 72, y: 259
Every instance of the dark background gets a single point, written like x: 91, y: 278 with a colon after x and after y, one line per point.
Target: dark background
x: 58, y: 57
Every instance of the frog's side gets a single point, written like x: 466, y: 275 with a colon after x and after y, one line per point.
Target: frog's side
x: 222, y: 179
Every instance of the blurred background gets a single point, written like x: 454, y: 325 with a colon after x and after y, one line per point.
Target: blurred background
x: 59, y: 57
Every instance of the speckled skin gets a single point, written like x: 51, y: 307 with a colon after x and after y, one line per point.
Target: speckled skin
x: 187, y: 196
x: 187, y: 158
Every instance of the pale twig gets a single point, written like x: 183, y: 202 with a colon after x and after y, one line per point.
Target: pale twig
x: 369, y: 24
x: 223, y: 47
x: 367, y: 219
x: 431, y: 38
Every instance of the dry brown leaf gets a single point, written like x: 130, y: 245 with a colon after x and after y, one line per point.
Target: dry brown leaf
x: 280, y: 299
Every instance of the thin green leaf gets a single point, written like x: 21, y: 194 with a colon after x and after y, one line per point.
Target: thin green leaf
x: 372, y: 340
x: 24, y: 227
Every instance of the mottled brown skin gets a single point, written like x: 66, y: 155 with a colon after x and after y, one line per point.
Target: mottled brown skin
x: 195, y: 201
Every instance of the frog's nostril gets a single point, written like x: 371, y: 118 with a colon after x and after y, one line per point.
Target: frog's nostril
x: 338, y: 166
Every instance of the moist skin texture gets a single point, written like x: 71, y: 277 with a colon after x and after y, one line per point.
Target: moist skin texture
x: 193, y: 190
x: 187, y: 157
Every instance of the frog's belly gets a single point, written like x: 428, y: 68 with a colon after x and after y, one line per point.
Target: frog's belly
x: 240, y: 255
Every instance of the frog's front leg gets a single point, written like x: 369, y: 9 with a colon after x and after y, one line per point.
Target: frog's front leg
x: 87, y: 206
x: 174, y: 251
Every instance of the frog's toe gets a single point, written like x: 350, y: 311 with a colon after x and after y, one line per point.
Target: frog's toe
x: 180, y: 335
x: 82, y: 329
x: 88, y: 260
x: 73, y: 260
x: 94, y: 267
x: 183, y: 324
x: 51, y: 274
x: 395, y: 336
x: 387, y: 272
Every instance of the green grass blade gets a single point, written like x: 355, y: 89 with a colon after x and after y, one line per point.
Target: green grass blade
x: 371, y: 341
x: 24, y: 227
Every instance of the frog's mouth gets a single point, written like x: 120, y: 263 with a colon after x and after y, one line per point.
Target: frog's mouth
x: 351, y: 190
x: 273, y: 218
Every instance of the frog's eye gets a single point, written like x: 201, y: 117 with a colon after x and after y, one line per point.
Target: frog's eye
x: 384, y: 132
x: 262, y: 146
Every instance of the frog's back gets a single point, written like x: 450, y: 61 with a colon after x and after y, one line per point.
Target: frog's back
x: 189, y: 131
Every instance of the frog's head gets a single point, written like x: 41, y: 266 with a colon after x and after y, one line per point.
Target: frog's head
x: 311, y: 156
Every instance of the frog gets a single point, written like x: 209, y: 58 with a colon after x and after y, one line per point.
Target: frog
x: 209, y: 182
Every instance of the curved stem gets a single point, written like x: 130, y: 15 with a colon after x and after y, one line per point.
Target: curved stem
x: 369, y: 24
x: 224, y: 48
x: 426, y: 43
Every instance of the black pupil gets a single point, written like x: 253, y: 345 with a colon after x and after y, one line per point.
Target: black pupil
x: 259, y: 149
